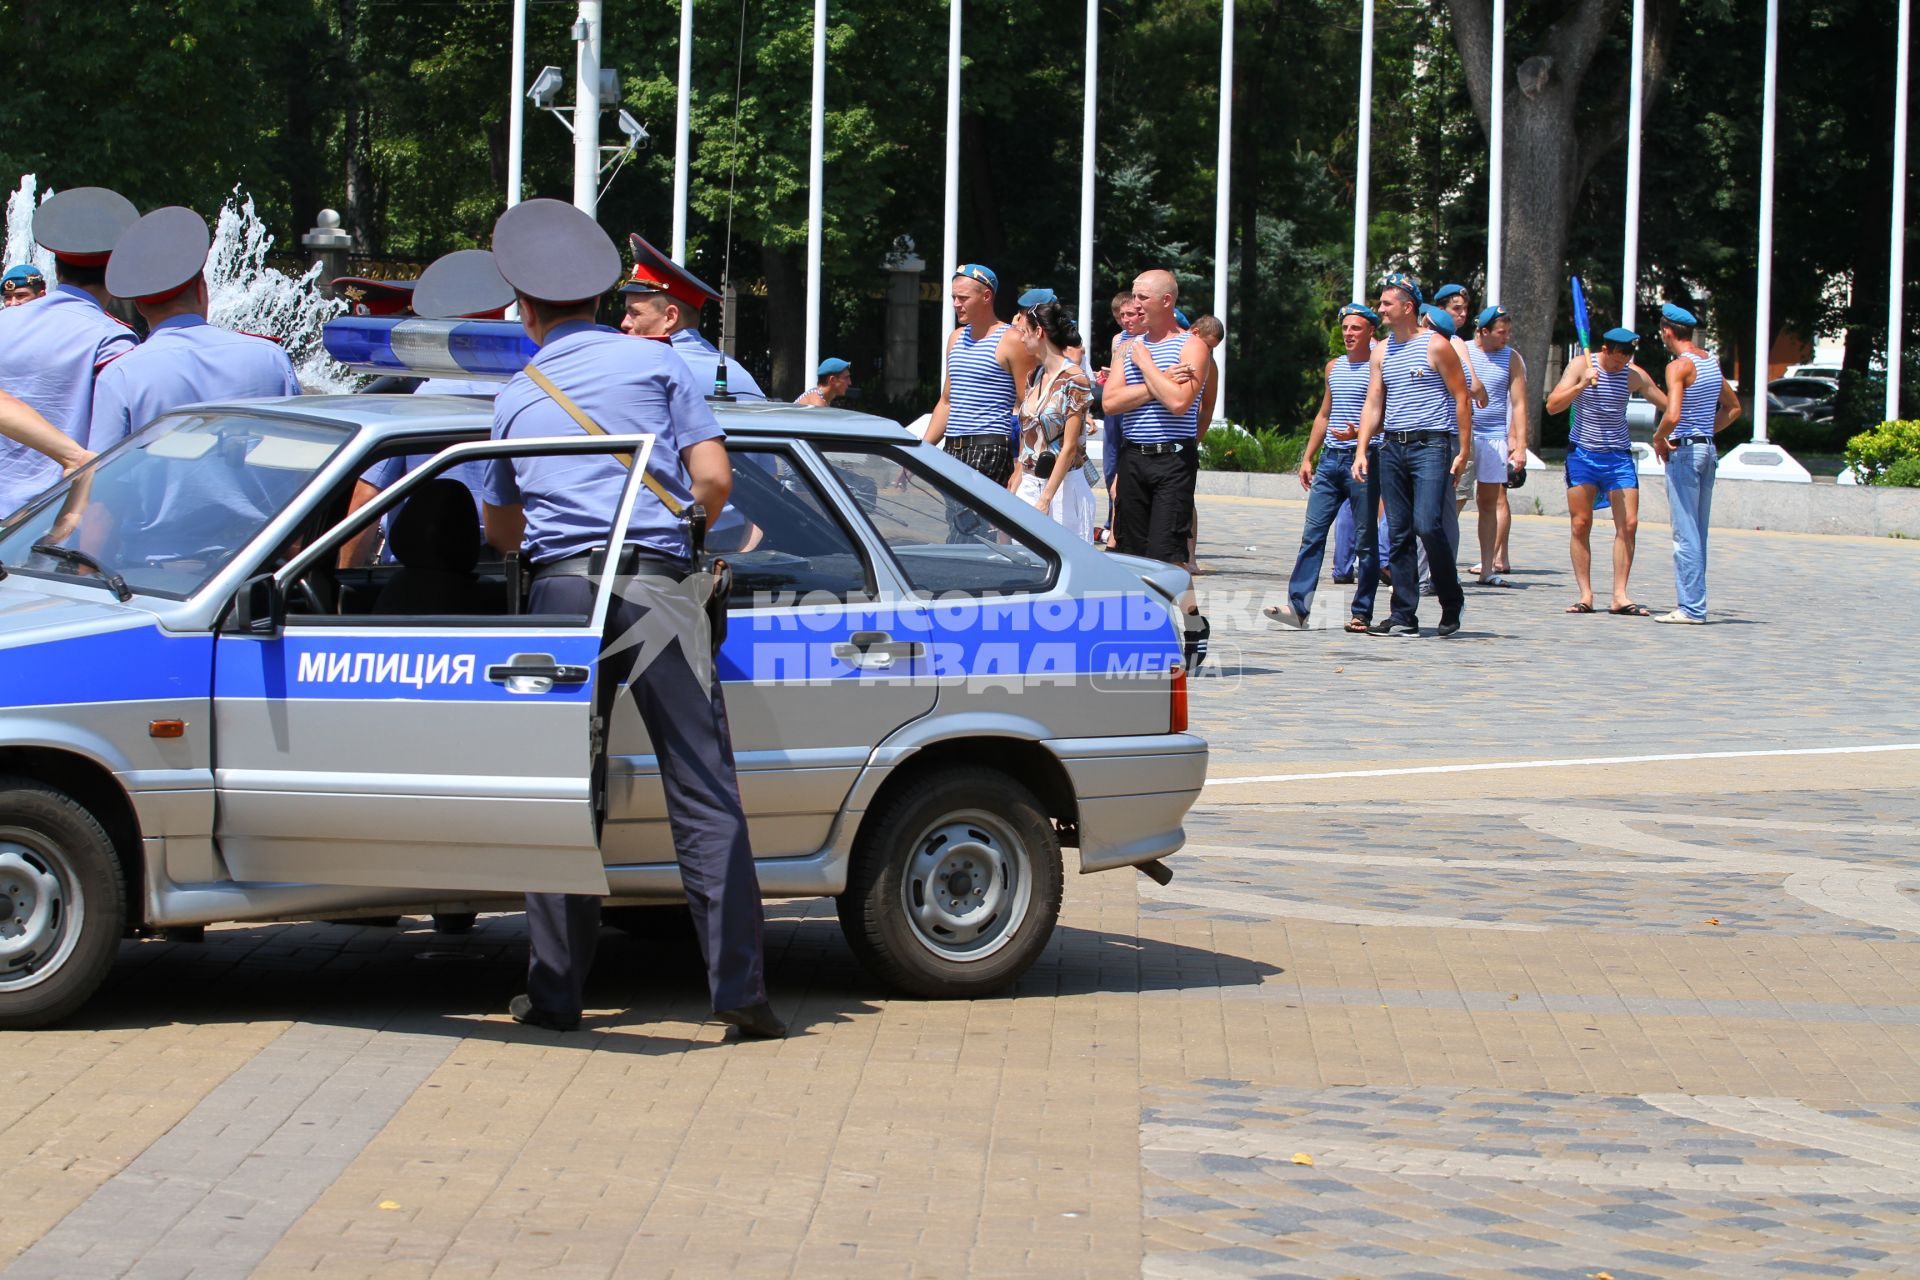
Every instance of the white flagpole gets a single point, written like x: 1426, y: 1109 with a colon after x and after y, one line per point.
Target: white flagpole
x: 586, y: 110
x: 682, y: 130
x: 1630, y: 261
x: 815, y: 175
x: 951, y: 210
x: 1497, y: 152
x: 1087, y: 151
x: 1896, y: 300
x: 1223, y: 171
x: 1763, y: 287
x: 517, y: 105
x: 1362, y: 173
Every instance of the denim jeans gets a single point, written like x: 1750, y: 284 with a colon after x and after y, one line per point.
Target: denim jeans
x: 1418, y: 488
x: 1334, y: 490
x: 1345, y: 546
x: 1690, y: 473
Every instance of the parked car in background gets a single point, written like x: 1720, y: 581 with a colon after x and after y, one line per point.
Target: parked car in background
x: 1813, y: 371
x: 1811, y: 398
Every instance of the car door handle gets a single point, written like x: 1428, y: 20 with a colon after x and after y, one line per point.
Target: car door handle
x: 873, y: 650
x: 535, y: 673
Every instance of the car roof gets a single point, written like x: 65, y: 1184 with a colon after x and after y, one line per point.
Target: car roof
x: 389, y: 414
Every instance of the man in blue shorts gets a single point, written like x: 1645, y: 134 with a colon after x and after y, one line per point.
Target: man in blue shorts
x: 1600, y: 468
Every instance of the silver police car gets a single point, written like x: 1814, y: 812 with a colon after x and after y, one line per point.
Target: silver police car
x: 259, y: 667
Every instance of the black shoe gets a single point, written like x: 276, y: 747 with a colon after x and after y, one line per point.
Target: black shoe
x: 1393, y: 627
x: 1345, y: 581
x: 1199, y: 633
x: 1447, y: 625
x: 754, y: 1021
x: 521, y: 1009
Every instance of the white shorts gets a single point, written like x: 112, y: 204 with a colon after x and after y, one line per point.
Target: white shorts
x: 1490, y: 459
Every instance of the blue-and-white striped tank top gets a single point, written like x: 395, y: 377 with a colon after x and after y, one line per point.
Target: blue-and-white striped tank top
x: 1496, y: 371
x: 1702, y: 404
x: 1600, y: 415
x: 981, y: 400
x: 1151, y: 423
x: 1347, y: 382
x: 1417, y: 398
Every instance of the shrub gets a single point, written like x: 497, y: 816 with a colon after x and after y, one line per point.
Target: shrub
x: 1797, y: 435
x: 1231, y: 448
x: 1887, y: 455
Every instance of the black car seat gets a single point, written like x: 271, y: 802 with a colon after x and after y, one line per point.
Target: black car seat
x: 436, y: 539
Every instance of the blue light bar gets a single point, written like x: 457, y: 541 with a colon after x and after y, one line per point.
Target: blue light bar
x: 494, y: 350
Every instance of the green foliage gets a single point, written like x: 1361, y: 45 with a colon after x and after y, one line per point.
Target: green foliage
x: 1887, y: 455
x: 1798, y: 436
x: 1231, y: 448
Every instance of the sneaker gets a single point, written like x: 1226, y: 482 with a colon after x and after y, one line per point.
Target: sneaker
x: 1447, y: 625
x: 1683, y: 619
x: 1393, y: 627
x: 1428, y: 589
x: 1198, y: 636
x: 1284, y: 615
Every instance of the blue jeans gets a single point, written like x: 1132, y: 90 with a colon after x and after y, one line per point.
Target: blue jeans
x: 1690, y: 473
x: 1418, y: 488
x: 1335, y: 490
x: 1345, y: 547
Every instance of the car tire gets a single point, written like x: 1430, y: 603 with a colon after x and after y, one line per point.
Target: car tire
x: 454, y: 923
x: 63, y: 904
x: 904, y: 916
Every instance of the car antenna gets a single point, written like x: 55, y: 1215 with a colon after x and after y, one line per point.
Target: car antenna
x: 733, y: 175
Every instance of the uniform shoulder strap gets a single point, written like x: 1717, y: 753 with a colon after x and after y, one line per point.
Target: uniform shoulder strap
x: 593, y: 428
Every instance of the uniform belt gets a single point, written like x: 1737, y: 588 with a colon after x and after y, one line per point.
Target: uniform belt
x: 1159, y: 446
x: 590, y: 564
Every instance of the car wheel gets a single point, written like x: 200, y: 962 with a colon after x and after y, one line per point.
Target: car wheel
x: 63, y: 904
x: 454, y: 922
x: 955, y: 885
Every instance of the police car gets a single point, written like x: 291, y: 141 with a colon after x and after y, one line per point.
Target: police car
x: 251, y: 676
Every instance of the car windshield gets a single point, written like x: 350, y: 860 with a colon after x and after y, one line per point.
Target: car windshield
x: 173, y: 505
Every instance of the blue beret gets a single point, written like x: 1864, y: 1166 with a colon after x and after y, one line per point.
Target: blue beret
x: 832, y: 365
x: 1446, y: 291
x: 983, y: 275
x: 1492, y: 313
x: 24, y: 273
x: 1361, y: 309
x: 1440, y: 320
x: 1038, y: 297
x: 1677, y: 315
x: 1405, y: 283
x: 1180, y: 318
x: 1625, y: 337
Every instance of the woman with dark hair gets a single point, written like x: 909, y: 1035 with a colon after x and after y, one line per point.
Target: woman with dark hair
x: 1053, y: 419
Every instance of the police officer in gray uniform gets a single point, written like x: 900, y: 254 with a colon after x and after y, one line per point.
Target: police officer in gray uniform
x: 557, y: 511
x: 157, y: 263
x: 664, y: 300
x: 51, y: 352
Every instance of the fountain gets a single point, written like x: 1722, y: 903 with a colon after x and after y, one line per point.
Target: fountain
x: 243, y: 292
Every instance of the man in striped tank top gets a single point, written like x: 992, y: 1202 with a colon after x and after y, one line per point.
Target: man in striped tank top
x: 1333, y: 487
x: 1164, y: 370
x: 1600, y: 466
x: 1417, y: 394
x: 1499, y: 435
x: 987, y: 368
x: 1700, y: 404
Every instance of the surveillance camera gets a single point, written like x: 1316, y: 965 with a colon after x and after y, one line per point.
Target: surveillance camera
x: 635, y: 132
x: 546, y: 87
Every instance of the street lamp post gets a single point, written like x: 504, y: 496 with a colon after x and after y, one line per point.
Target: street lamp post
x: 950, y: 213
x: 1897, y: 258
x: 1223, y: 170
x: 815, y: 166
x: 586, y: 112
x: 682, y: 132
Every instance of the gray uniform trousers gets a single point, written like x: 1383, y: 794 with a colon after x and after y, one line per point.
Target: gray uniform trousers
x: 688, y: 730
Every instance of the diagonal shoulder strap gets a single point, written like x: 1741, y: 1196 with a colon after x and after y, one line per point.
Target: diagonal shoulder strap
x: 593, y: 428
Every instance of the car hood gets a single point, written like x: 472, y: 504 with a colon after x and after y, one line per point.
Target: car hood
x: 1169, y: 580
x: 31, y: 616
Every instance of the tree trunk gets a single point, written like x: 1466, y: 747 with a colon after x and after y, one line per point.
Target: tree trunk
x: 786, y: 319
x: 1548, y: 160
x: 357, y: 216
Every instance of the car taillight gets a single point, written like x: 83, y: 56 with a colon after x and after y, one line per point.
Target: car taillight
x: 1177, y: 718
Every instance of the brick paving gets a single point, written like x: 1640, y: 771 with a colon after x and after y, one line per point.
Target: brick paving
x: 1652, y: 1018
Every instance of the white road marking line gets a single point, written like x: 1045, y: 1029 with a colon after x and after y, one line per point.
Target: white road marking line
x: 1789, y: 1121
x: 1583, y: 762
x: 1261, y: 904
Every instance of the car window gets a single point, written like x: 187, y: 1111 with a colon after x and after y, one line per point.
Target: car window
x: 170, y: 507
x: 945, y: 540
x: 782, y: 538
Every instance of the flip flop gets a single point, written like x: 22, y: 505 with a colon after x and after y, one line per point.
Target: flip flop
x: 1494, y: 581
x: 1358, y: 625
x: 1581, y: 607
x: 1631, y: 611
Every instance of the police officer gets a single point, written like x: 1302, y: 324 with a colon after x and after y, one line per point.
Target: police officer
x: 22, y: 283
x: 157, y: 263
x: 51, y: 352
x: 664, y: 300
x: 556, y: 511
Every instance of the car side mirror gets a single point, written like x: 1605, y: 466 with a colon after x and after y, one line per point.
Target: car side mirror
x: 263, y: 606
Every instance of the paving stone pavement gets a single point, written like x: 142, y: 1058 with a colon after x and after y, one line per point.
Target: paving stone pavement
x: 1655, y: 1017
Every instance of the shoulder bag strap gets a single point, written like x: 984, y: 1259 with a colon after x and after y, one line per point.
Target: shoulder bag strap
x: 593, y: 428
